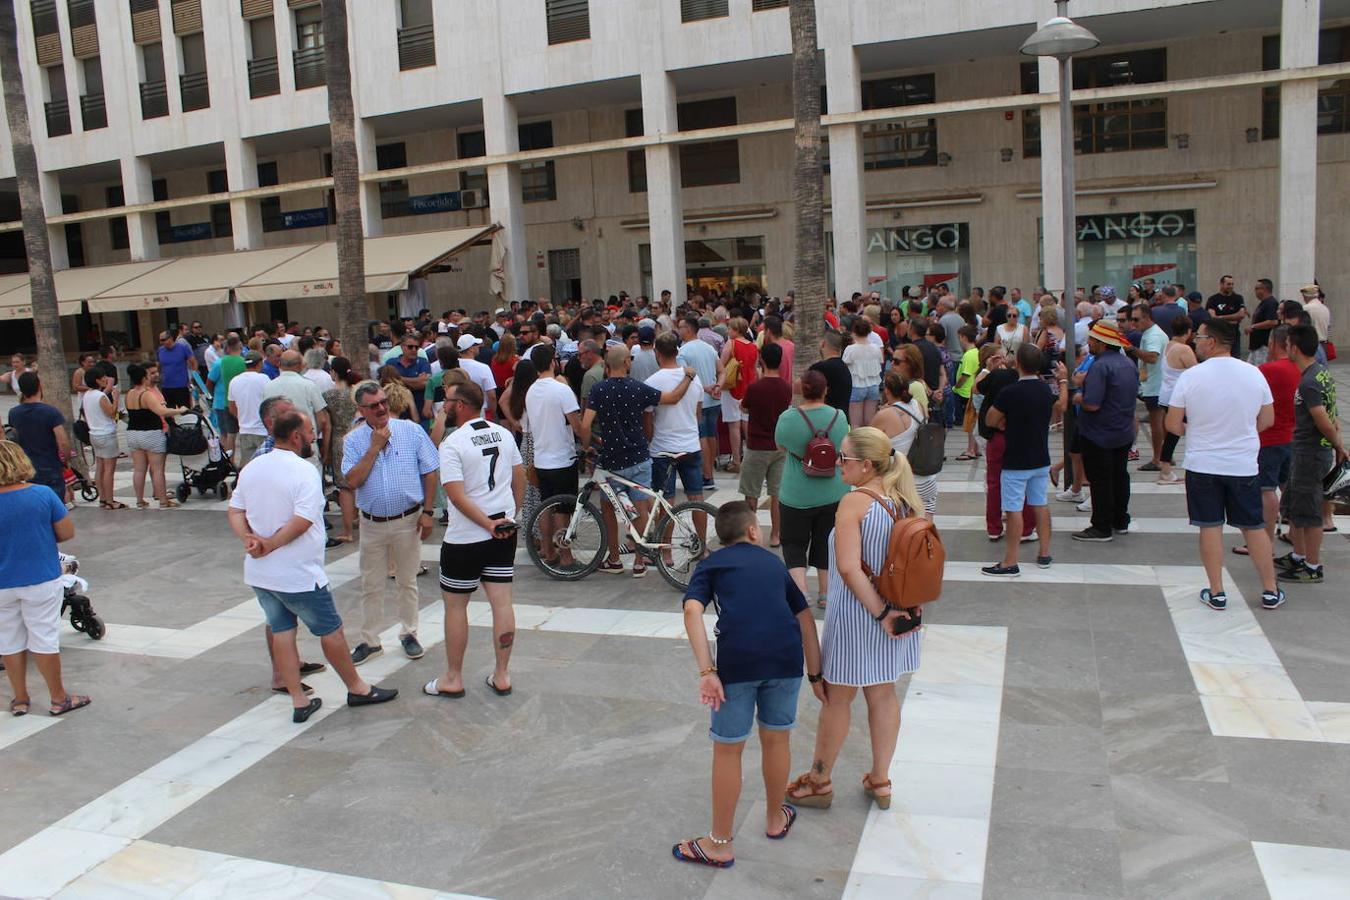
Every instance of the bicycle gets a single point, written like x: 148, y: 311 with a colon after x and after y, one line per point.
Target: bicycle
x: 585, y: 539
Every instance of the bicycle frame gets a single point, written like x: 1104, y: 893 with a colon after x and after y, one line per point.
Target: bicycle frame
x: 600, y: 480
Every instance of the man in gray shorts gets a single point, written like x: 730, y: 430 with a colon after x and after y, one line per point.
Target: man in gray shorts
x: 765, y: 400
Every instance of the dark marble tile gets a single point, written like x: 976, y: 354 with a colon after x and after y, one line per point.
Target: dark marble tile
x: 1052, y: 858
x: 1032, y: 797
x: 1191, y: 866
x: 1051, y: 706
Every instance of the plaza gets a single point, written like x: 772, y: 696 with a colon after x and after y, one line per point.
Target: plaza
x: 1089, y: 730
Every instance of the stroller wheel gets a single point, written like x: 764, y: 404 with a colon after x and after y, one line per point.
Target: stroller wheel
x: 89, y: 493
x: 223, y: 491
x: 182, y: 492
x: 95, y: 628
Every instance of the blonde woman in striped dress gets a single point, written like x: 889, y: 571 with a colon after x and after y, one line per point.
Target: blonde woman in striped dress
x: 860, y: 649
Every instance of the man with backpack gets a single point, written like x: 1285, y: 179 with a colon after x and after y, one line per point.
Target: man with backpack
x: 1022, y: 411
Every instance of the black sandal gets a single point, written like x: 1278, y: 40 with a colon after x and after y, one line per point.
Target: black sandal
x: 791, y: 813
x: 311, y: 668
x: 496, y: 690
x: 698, y: 855
x: 70, y: 704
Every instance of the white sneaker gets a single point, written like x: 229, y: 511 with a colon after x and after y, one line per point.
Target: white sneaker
x: 1069, y: 495
x: 1085, y: 506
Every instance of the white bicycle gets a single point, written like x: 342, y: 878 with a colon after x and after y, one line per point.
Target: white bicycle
x: 567, y: 538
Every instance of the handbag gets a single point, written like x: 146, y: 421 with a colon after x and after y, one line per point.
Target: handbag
x: 81, y: 428
x: 927, y: 453
x: 1331, y: 351
x: 731, y: 377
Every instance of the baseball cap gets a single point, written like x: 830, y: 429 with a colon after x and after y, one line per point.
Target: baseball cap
x: 502, y: 311
x: 1195, y: 295
x: 1107, y: 291
x: 251, y: 357
x: 466, y: 341
x: 646, y: 334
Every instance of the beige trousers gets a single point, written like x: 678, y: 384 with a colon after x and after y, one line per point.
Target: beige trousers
x: 386, y: 545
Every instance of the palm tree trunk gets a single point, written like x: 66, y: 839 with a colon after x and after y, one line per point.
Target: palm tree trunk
x: 42, y: 287
x: 352, y: 311
x: 808, y: 188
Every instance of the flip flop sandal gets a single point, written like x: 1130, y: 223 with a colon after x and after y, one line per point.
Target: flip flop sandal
x: 791, y: 813
x: 304, y: 687
x: 883, y: 801
x: 311, y: 668
x: 1242, y: 551
x: 697, y: 855
x: 70, y: 704
x: 965, y: 457
x: 14, y: 709
x: 611, y: 568
x: 432, y: 689
x: 496, y: 690
x: 817, y: 799
x: 112, y: 504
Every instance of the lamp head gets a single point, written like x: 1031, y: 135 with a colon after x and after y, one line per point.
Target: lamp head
x: 1060, y: 38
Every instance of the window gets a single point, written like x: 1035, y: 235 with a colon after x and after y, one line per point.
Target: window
x: 568, y: 20
x: 308, y: 59
x: 416, y: 35
x: 696, y: 10
x: 637, y: 159
x: 758, y: 5
x: 269, y: 207
x: 218, y: 183
x: 154, y: 94
x: 1333, y: 101
x: 44, y: 17
x: 393, y: 194
x: 309, y: 28
x: 537, y: 183
x: 117, y: 228
x: 1107, y: 127
x: 163, y: 220
x: 193, y: 86
x: 904, y: 143
x: 472, y: 144
x: 713, y: 162
x: 564, y: 275
x: 92, y: 108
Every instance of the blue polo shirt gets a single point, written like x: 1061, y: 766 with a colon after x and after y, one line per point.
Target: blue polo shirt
x: 419, y: 366
x: 1113, y: 384
x: 395, y: 482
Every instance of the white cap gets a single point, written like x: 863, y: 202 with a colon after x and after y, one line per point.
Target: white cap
x: 502, y: 311
x: 466, y: 341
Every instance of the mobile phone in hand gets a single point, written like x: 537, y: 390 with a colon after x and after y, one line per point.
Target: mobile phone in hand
x: 505, y: 529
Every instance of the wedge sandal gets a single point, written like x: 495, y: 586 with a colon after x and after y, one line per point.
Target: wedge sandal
x: 820, y: 797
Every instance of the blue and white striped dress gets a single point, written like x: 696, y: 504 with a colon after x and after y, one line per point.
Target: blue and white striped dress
x: 854, y: 650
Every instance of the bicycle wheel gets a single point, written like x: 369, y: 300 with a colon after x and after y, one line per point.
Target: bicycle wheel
x: 681, y: 531
x: 571, y: 560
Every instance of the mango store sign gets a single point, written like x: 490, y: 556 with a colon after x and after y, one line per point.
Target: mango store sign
x: 919, y: 239
x: 1137, y: 226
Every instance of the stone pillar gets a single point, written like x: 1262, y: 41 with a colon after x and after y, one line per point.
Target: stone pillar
x: 848, y: 193
x: 372, y: 220
x: 501, y: 136
x: 137, y: 189
x: 1297, y: 227
x: 50, y: 184
x: 665, y: 206
x: 1052, y: 195
x: 241, y: 174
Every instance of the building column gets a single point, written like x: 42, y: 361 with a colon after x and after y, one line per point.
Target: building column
x: 665, y: 205
x: 501, y: 136
x: 1052, y: 194
x: 50, y: 185
x: 1297, y: 227
x: 241, y: 174
x: 848, y: 192
x: 137, y: 188
x: 372, y: 219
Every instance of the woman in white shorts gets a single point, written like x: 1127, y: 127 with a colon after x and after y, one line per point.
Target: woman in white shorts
x: 98, y: 405
x: 30, y: 583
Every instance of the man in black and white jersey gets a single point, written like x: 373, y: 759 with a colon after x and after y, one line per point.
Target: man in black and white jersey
x: 484, y: 478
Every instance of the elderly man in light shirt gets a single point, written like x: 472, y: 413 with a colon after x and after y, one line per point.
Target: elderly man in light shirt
x: 306, y: 396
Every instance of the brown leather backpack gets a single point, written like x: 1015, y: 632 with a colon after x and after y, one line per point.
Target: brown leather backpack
x: 911, y: 573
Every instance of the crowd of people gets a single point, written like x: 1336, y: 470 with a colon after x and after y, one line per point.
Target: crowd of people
x: 472, y: 420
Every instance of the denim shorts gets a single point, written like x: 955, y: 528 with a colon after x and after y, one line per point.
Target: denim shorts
x: 640, y: 473
x: 1212, y: 499
x: 315, y: 608
x: 1273, y: 465
x: 775, y: 698
x: 870, y: 392
x: 1024, y: 487
x: 708, y: 419
x: 690, y: 469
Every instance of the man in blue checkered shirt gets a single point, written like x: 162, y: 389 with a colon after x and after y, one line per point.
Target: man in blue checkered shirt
x: 392, y: 465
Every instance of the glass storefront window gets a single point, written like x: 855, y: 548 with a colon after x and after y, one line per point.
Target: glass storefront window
x: 1120, y: 249
x: 913, y: 256
x: 715, y: 266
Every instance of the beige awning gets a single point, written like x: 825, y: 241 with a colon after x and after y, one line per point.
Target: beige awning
x: 73, y: 286
x: 391, y: 260
x: 201, y: 280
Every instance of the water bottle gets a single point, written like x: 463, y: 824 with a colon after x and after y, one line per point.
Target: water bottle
x: 629, y: 509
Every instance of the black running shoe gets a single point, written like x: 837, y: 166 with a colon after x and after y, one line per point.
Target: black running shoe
x: 1214, y: 601
x: 1093, y: 535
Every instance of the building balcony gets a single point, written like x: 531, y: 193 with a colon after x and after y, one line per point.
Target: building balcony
x: 195, y: 91
x: 93, y: 112
x: 154, y: 99
x: 310, y: 68
x: 58, y: 118
x: 263, y: 78
x: 416, y: 47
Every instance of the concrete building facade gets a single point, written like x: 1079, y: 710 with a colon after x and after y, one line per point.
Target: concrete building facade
x: 641, y: 145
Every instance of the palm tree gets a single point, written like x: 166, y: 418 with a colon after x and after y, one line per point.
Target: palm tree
x: 808, y: 188
x: 42, y: 287
x: 351, y: 250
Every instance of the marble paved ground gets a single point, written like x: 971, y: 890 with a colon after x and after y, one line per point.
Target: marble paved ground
x: 1090, y: 731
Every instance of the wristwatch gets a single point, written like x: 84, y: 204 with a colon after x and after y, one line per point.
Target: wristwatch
x: 816, y: 678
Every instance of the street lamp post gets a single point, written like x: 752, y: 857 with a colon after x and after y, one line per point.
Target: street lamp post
x: 1060, y: 38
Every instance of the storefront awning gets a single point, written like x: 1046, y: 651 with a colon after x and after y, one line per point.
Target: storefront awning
x: 73, y: 286
x: 204, y: 280
x: 391, y: 261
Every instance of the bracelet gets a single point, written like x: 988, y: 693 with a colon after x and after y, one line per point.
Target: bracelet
x: 885, y: 611
x: 814, y: 679
x: 703, y: 673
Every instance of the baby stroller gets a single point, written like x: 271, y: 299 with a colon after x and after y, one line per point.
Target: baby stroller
x: 78, y: 482
x: 193, y: 434
x: 82, y: 615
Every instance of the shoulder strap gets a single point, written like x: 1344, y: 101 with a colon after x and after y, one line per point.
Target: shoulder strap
x: 886, y: 503
x: 901, y: 407
x: 815, y: 432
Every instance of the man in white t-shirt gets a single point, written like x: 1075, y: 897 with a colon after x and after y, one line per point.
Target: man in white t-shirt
x: 674, y: 426
x: 484, y: 480
x: 1220, y: 406
x: 245, y: 394
x: 553, y: 419
x: 703, y: 358
x: 276, y: 510
x: 479, y: 373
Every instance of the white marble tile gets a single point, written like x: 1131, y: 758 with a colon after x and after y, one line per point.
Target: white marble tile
x: 1232, y: 680
x: 237, y: 878
x: 269, y: 723
x: 210, y: 761
x: 14, y: 729
x: 863, y: 886
x: 1333, y: 719
x: 643, y: 623
x: 348, y: 887
x: 135, y: 807
x: 118, y: 639
x: 960, y: 702
x: 948, y: 742
x: 936, y: 789
x: 926, y: 848
x: 144, y: 870
x: 582, y: 620
x: 1252, y: 650
x: 963, y: 654
x: 1285, y: 720
x: 1303, y: 873
x: 1190, y: 617
x: 49, y: 860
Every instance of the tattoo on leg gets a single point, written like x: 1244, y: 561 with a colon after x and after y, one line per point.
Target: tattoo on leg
x: 818, y: 767
x: 506, y: 640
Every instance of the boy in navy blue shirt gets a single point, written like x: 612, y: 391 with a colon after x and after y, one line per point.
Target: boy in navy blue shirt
x: 764, y: 626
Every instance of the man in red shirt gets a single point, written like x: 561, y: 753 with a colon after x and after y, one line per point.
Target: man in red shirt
x: 765, y: 400
x: 1277, y: 440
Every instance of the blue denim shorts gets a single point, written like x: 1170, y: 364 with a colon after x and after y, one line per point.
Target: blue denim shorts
x: 640, y: 473
x: 1212, y: 498
x: 708, y: 419
x: 871, y: 392
x: 315, y: 608
x: 690, y: 469
x: 775, y: 698
x: 1273, y: 465
x: 1024, y: 487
